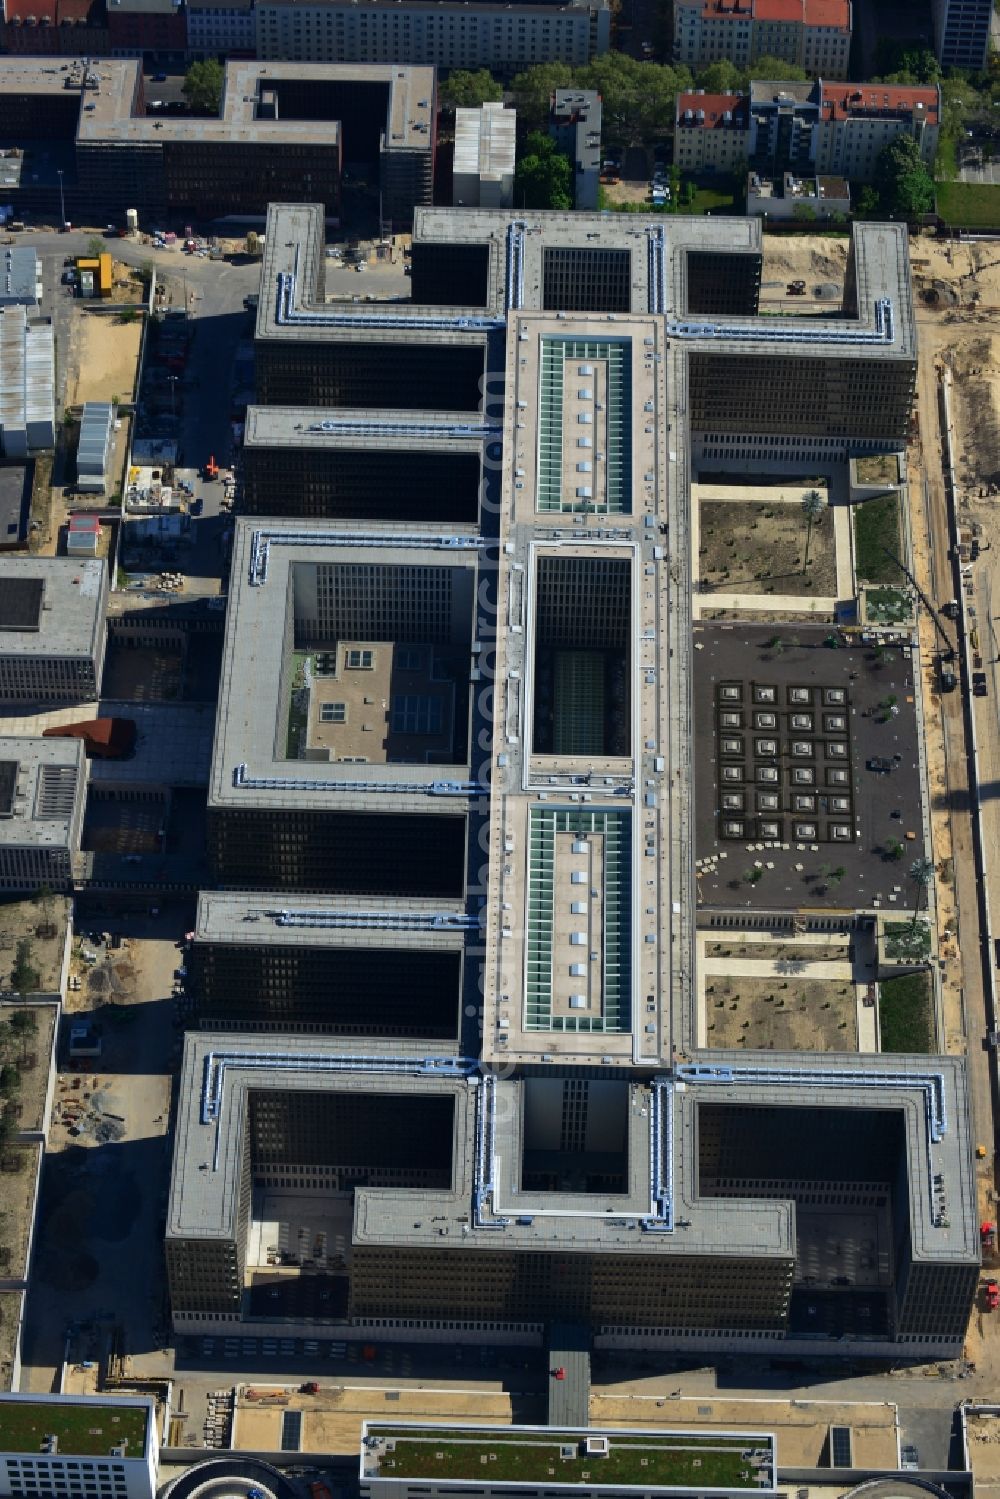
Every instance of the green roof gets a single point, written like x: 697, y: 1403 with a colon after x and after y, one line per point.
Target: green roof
x: 88, y: 1429
x: 703, y: 1460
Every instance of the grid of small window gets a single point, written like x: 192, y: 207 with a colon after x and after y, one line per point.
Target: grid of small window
x: 413, y: 713
x: 333, y: 712
x: 360, y: 660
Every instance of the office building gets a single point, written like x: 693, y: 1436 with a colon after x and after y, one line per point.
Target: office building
x: 51, y: 629
x: 20, y: 278
x: 82, y: 1448
x: 570, y: 1151
x: 814, y: 34
x: 507, y: 38
x: 711, y: 132
x: 313, y: 462
x: 352, y: 756
x: 962, y: 33
x: 47, y: 28
x: 27, y: 382
x: 281, y: 132
x: 382, y: 966
x: 483, y: 174
x: 42, y: 789
x: 575, y: 126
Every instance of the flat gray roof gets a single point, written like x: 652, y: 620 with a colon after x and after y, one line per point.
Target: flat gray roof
x: 280, y: 919
x: 111, y: 94
x: 321, y: 429
x: 72, y: 609
x: 258, y: 642
x: 495, y: 1211
x: 42, y: 783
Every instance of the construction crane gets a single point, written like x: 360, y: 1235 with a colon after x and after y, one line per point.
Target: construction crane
x: 942, y: 632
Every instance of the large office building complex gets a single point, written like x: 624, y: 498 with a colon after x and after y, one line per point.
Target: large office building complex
x: 467, y: 842
x: 962, y: 33
x: 280, y: 132
x: 43, y: 785
x: 78, y: 1448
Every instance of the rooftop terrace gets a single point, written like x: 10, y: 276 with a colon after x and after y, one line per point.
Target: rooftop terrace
x: 86, y: 1429
x: 529, y: 1455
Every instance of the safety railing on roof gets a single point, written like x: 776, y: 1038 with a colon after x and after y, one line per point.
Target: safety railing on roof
x: 242, y: 780
x: 262, y: 541
x: 391, y: 921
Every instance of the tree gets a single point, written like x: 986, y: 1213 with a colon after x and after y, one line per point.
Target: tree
x: 532, y: 89
x: 23, y: 1024
x: 905, y: 62
x: 813, y: 505
x: 544, y: 176
x: 10, y: 1081
x: 921, y: 873
x: 95, y: 246
x: 867, y: 205
x: 722, y: 77
x: 202, y: 86
x: 638, y: 99
x: 25, y: 978
x: 467, y: 90
x: 905, y: 187
x: 777, y: 68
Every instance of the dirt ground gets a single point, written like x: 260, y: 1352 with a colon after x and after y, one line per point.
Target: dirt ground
x: 31, y: 1058
x: 776, y: 952
x: 43, y: 924
x: 756, y: 548
x: 818, y: 260
x: 802, y: 1427
x: 332, y: 1419
x: 794, y: 1014
x: 103, y: 357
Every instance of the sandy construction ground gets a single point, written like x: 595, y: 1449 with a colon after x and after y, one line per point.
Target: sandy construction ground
x: 103, y: 359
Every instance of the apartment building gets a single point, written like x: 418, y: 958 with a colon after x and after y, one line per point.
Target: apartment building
x: 80, y: 1448
x: 814, y: 34
x: 838, y: 129
x: 223, y: 30
x: 139, y: 26
x: 575, y: 126
x: 483, y: 170
x: 962, y: 33
x: 711, y: 132
x: 43, y: 786
x: 507, y: 38
x: 51, y: 629
x: 282, y: 131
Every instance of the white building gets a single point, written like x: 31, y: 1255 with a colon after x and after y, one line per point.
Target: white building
x: 449, y: 34
x: 27, y: 368
x: 483, y: 174
x: 814, y: 34
x: 93, y: 453
x: 78, y: 1448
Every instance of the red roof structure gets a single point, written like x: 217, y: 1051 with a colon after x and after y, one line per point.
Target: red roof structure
x: 104, y: 738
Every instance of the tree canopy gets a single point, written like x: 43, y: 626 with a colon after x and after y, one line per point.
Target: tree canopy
x: 722, y: 77
x: 202, y: 86
x: 637, y: 98
x: 544, y: 176
x: 777, y: 67
x: 463, y: 89
x: 905, y: 62
x: 905, y: 187
x: 531, y: 91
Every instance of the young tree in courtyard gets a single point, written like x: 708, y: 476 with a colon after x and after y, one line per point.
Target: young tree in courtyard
x: 813, y: 505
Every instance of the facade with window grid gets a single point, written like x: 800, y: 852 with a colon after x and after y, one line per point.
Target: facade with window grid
x: 115, y: 1457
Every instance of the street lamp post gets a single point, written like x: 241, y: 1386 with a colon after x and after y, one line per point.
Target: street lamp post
x: 62, y: 199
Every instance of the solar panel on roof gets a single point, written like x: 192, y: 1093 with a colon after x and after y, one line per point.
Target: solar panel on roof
x: 8, y: 785
x: 21, y: 603
x: 841, y: 1454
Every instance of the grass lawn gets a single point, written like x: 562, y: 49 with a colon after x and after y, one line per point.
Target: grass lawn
x: 89, y: 1429
x: 975, y: 205
x: 710, y: 200
x: 681, y: 1461
x: 904, y: 1012
x: 876, y: 525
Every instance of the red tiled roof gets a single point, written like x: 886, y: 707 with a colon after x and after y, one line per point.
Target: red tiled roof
x: 715, y: 107
x: 22, y: 10
x: 778, y: 10
x: 828, y: 13
x: 839, y: 101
